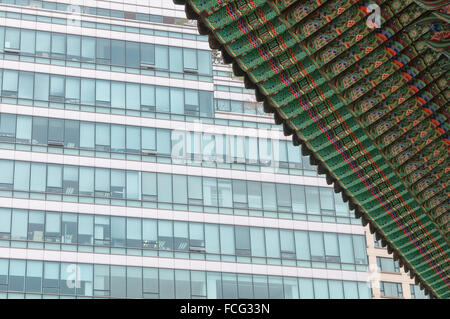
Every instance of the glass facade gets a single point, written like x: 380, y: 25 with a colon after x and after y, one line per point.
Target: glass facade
x: 104, y: 54
x: 391, y: 289
x: 85, y: 184
x: 122, y: 142
x: 47, y: 279
x: 180, y: 239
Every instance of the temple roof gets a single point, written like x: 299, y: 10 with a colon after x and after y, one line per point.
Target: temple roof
x: 362, y: 86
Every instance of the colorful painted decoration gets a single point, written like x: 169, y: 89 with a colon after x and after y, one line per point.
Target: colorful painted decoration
x: 363, y: 88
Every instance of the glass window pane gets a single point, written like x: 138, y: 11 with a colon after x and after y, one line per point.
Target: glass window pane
x: 38, y: 177
x: 133, y: 185
x: 147, y: 53
x: 102, y: 136
x: 275, y: 288
x: 190, y: 59
x: 258, y: 246
x: 118, y: 282
x: 56, y: 132
x: 272, y: 243
x: 103, y: 51
x: 118, y: 231
x: 72, y: 90
x: 6, y: 178
x: 118, y: 95
x: 10, y: 83
x: 336, y: 289
x: 69, y: 225
x: 117, y: 138
x: 164, y: 188
x: 150, y: 282
x: 57, y: 88
x: 102, y: 96
x: 23, y: 129
x: 117, y: 52
x: 180, y: 189
x: 16, y: 275
x: 34, y: 276
x: 87, y: 181
x: 206, y: 103
x: 346, y: 248
x: 58, y: 45
x: 19, y: 224
x: 209, y: 191
x: 102, y: 185
x: 227, y: 239
x: 359, y: 247
x: 26, y: 81
x: 85, y: 229
x: 7, y: 127
x: 350, y: 290
x: 149, y: 186
x: 132, y: 54
x: 133, y: 96
x: 43, y: 43
x: 331, y: 247
x: 254, y: 195
x: 163, y: 142
x: 298, y: 199
x: 326, y: 198
x: 52, y: 227
x: 302, y: 245
x: 54, y: 178
x: 176, y: 101
x: 87, y: 135
x: 134, y: 282
x: 162, y: 57
x: 204, y: 64
x: 176, y: 59
x: 229, y: 286
x: 212, y: 239
x: 22, y: 176
x: 88, y: 49
x: 134, y: 233
x: 242, y: 237
x: 269, y: 199
x: 320, y: 289
x: 40, y: 126
x: 149, y: 234
x: 165, y: 234
x: 166, y: 284
x: 41, y: 86
x: 73, y: 47
x: 12, y: 38
x: 162, y: 99
x: 225, y: 193
x: 88, y: 89
x: 27, y: 42
x: 306, y: 288
x: 71, y: 134
x: 312, y: 200
x: 5, y: 223
x: 317, y: 247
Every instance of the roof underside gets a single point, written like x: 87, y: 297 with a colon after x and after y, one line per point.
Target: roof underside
x: 362, y: 86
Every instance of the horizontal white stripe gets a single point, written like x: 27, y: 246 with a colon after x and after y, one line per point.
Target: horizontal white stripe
x: 158, y: 213
x: 173, y: 263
